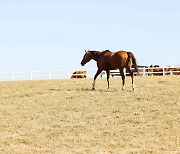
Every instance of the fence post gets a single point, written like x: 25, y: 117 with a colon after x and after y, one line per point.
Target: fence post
x: 163, y: 71
x: 68, y: 74
x: 144, y: 71
x: 124, y: 70
x: 87, y: 73
x: 171, y: 72
x: 12, y: 76
x: 31, y: 75
x: 49, y: 74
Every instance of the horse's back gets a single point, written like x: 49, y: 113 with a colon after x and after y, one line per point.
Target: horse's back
x: 119, y: 55
x: 114, y: 60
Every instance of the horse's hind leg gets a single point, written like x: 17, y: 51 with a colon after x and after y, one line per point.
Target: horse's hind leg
x: 132, y: 76
x: 108, y: 73
x: 123, y: 78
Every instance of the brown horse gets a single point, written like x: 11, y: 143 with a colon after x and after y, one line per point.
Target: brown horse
x: 107, y: 60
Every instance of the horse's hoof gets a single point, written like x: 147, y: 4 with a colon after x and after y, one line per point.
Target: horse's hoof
x: 133, y: 87
x: 92, y: 89
x: 108, y: 89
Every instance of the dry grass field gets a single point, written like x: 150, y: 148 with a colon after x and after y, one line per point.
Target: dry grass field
x: 65, y: 116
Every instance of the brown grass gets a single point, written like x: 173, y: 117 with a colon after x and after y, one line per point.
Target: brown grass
x: 64, y: 116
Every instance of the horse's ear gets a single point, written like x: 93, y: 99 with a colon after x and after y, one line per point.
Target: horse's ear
x: 85, y: 50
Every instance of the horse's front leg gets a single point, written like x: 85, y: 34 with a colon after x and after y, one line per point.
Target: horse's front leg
x: 94, y: 81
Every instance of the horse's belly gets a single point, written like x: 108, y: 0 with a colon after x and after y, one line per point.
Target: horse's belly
x: 110, y: 64
x: 111, y: 67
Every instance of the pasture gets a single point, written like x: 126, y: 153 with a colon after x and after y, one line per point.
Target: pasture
x: 65, y: 116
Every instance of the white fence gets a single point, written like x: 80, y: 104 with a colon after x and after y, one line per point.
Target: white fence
x: 41, y: 75
x: 66, y: 74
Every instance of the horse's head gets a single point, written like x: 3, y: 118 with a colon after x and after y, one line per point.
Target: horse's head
x: 87, y: 57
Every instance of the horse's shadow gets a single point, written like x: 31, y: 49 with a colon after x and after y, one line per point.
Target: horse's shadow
x: 53, y: 89
x: 96, y: 90
x: 83, y: 89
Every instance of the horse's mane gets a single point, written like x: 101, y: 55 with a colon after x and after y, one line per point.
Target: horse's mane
x: 106, y: 51
x: 96, y: 53
x: 99, y: 53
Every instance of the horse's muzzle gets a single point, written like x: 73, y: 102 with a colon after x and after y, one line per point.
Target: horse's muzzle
x: 82, y: 64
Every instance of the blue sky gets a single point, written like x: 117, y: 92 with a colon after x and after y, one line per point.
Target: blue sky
x: 53, y: 34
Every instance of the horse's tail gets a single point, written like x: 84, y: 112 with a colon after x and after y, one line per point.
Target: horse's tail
x: 134, y: 61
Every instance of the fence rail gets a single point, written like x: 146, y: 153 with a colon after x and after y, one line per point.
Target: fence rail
x: 66, y: 74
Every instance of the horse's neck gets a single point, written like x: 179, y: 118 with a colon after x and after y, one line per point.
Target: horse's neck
x: 95, y: 58
x: 96, y: 55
